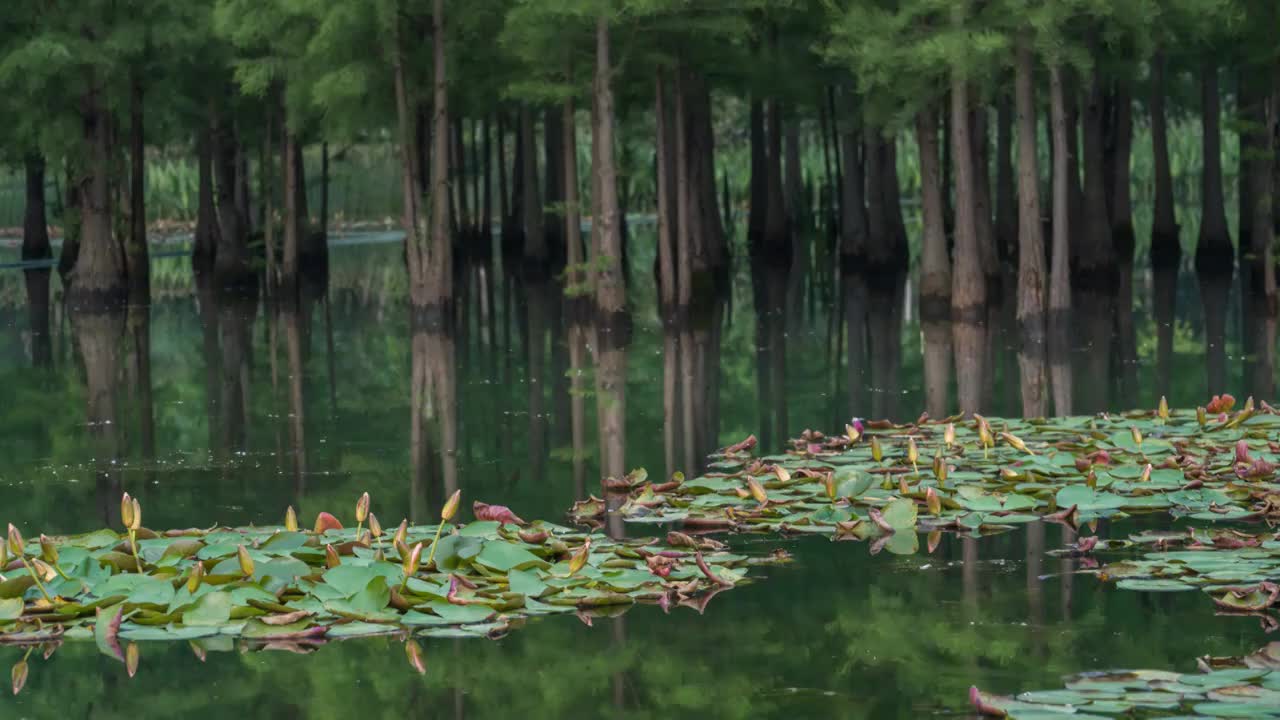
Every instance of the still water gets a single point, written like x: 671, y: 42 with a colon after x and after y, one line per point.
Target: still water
x: 225, y: 410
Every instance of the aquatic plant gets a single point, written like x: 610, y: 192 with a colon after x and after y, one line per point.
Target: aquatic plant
x: 987, y: 475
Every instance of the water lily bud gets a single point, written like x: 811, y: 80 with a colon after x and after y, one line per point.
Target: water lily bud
x: 941, y: 471
x: 290, y: 520
x: 246, y: 562
x: 375, y: 527
x: 411, y: 562
x: 43, y: 570
x: 984, y: 436
x: 829, y: 484
x: 902, y: 485
x: 757, y: 491
x: 913, y: 453
x: 781, y: 473
x: 1136, y: 433
x: 402, y: 533
x: 935, y: 538
x: 877, y: 453
x: 1016, y: 442
x: 131, y: 657
x: 362, y: 508
x: 417, y: 660
x: 19, y: 676
x: 1202, y: 417
x: 579, y: 558
x: 126, y: 510
x: 4, y: 555
x: 402, y: 549
x: 197, y: 575
x: 331, y: 559
x: 48, y: 550
x: 1162, y: 411
x: 933, y: 502
x: 1146, y: 474
x: 1248, y: 404
x: 1008, y: 473
x: 135, y: 521
x: 1091, y: 479
x: 16, y: 545
x: 852, y: 433
x: 451, y: 507
x: 949, y: 435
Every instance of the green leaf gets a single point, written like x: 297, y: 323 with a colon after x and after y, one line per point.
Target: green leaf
x: 211, y: 609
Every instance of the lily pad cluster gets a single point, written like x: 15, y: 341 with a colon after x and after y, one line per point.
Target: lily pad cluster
x: 976, y: 476
x: 1246, y: 687
x: 1238, y: 569
x: 283, y: 584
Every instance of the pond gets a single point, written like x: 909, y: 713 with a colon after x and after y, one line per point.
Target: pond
x: 248, y: 410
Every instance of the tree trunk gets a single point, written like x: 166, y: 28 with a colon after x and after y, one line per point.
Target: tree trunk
x: 1060, y: 269
x: 793, y: 176
x: 1121, y: 193
x: 293, y: 226
x: 935, y: 265
x: 683, y: 195
x: 71, y: 226
x: 1166, y: 248
x: 667, y: 281
x: 35, y: 222
x: 553, y: 137
x: 1257, y: 147
x: 137, y: 260
x: 899, y: 254
x: 1031, y: 272
x: 204, y: 246
x: 968, y: 293
x: 535, y: 242
x: 410, y: 193
x: 853, y: 209
x: 776, y: 245
x: 1006, y: 200
x: 610, y: 288
x: 1095, y: 261
x: 759, y: 181
x: 324, y: 192
x: 1213, y: 248
x: 231, y: 263
x: 435, y: 285
x: 35, y: 246
x: 982, y: 200
x: 98, y: 280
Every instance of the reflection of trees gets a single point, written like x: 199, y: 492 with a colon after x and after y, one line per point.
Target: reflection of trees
x: 433, y: 420
x: 1095, y: 327
x: 1164, y: 306
x: 699, y: 333
x: 873, y: 308
x: 235, y: 327
x: 769, y: 289
x: 1214, y: 288
x: 98, y: 336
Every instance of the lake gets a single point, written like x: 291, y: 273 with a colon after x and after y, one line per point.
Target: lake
x: 249, y: 410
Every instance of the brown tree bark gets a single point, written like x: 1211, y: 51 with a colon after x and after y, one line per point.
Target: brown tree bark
x: 293, y: 225
x: 935, y: 265
x: 853, y: 210
x: 1060, y: 267
x: 98, y: 280
x: 1006, y: 199
x: 610, y: 288
x: 1032, y: 285
x: 667, y: 279
x: 968, y: 291
x: 776, y: 243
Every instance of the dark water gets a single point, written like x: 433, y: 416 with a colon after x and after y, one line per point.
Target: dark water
x: 244, y: 410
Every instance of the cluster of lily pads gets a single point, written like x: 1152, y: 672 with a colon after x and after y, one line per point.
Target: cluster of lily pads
x: 1246, y: 687
x: 977, y: 476
x: 1238, y: 569
x: 288, y: 585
